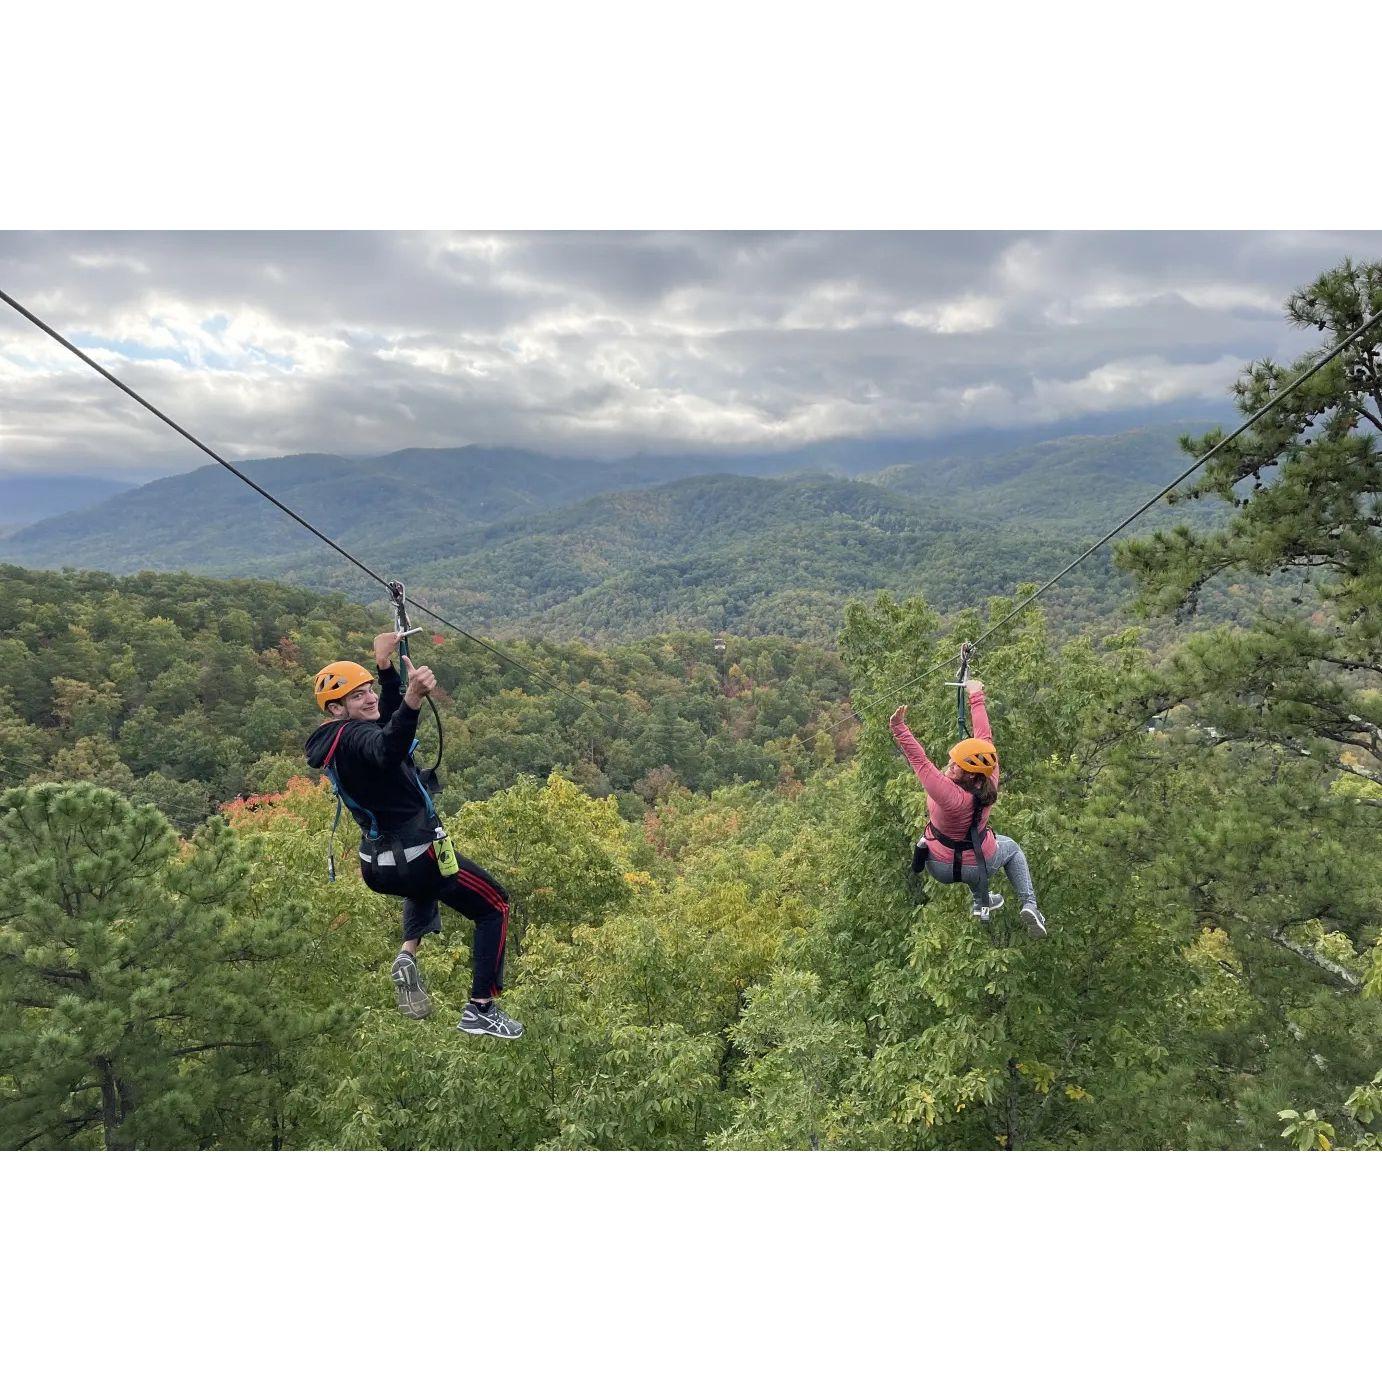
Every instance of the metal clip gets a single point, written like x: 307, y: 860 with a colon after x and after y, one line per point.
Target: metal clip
x: 966, y: 652
x: 398, y: 594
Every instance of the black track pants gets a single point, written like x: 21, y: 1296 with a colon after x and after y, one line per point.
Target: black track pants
x: 471, y: 891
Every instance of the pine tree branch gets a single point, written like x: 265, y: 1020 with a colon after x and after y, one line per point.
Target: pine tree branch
x: 73, y: 1125
x: 1346, y: 977
x: 214, y: 1046
x: 1369, y: 745
x: 1292, y: 746
x: 1368, y: 362
x: 1349, y: 664
x: 1362, y: 411
x: 1349, y: 980
x: 1313, y: 561
x: 78, y: 976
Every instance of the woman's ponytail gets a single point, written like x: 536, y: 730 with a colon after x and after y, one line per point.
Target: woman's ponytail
x: 980, y: 786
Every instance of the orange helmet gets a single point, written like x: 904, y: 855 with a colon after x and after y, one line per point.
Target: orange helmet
x: 975, y: 756
x: 339, y: 679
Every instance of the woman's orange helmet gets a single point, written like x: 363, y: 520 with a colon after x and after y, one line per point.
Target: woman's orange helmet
x: 975, y: 756
x: 339, y: 679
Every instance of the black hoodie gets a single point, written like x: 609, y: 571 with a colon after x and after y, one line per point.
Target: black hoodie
x: 371, y: 757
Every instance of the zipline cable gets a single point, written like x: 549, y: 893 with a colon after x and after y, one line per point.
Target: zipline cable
x: 182, y: 431
x: 883, y: 698
x: 43, y: 326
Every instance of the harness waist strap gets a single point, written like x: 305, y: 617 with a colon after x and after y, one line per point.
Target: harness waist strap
x: 933, y: 834
x: 385, y: 859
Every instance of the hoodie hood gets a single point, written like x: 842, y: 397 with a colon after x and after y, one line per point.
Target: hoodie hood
x: 319, y: 742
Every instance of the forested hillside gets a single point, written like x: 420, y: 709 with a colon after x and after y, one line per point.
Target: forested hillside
x: 186, y: 692
x: 495, y: 537
x: 407, y: 501
x: 1078, y: 484
x: 749, y: 555
x: 716, y: 942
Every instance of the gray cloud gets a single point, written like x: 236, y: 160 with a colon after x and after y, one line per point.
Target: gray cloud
x: 608, y: 342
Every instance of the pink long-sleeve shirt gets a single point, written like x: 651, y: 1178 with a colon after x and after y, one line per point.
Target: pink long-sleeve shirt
x: 948, y: 806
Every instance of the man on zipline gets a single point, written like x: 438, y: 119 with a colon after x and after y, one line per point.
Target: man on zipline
x: 365, y: 748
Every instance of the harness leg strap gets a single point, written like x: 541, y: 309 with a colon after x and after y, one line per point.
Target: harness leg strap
x: 972, y: 840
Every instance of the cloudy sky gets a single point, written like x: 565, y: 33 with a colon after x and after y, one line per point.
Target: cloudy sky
x: 603, y: 343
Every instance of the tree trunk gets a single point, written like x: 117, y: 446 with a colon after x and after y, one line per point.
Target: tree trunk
x: 117, y: 1102
x: 110, y: 1102
x: 1014, y: 1126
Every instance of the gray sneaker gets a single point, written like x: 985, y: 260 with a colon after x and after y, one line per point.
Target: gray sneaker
x: 995, y: 902
x: 1034, y: 922
x: 491, y: 1021
x: 409, y: 991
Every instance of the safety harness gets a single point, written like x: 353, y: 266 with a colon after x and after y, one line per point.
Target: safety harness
x: 425, y: 826
x: 973, y: 840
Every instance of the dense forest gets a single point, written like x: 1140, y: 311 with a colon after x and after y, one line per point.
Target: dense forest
x: 185, y: 692
x: 716, y: 939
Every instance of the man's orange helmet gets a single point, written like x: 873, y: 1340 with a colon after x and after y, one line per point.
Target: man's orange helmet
x: 339, y: 679
x: 975, y: 756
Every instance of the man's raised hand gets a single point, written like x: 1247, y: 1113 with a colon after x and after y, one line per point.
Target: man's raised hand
x: 384, y: 645
x: 422, y: 681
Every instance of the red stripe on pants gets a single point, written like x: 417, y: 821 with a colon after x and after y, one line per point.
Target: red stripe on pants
x: 486, y: 890
x: 478, y: 884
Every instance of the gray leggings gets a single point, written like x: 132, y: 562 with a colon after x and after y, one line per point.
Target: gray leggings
x: 1009, y: 858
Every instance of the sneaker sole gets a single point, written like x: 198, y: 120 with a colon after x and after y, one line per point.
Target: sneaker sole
x: 412, y: 1002
x: 483, y: 1031
x: 1035, y: 929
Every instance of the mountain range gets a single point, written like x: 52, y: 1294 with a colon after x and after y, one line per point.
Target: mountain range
x: 27, y: 498
x: 515, y: 541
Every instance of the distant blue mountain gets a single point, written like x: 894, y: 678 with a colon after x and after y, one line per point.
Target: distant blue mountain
x: 26, y: 498
x: 865, y: 456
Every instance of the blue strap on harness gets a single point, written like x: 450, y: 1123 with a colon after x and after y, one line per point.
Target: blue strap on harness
x: 331, y: 840
x: 342, y: 797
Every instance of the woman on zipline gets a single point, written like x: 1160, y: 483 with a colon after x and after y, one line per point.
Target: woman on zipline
x: 958, y: 802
